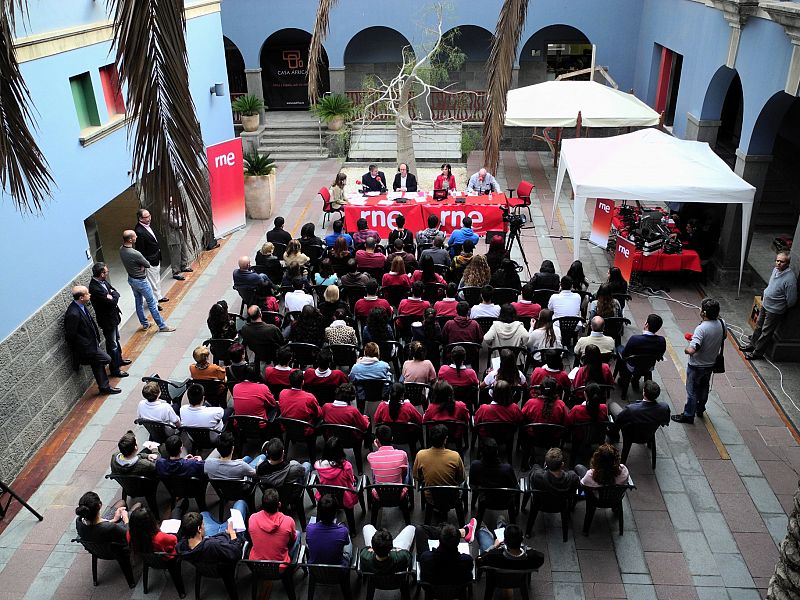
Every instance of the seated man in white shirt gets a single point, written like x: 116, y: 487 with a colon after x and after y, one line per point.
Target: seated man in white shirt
x: 195, y: 414
x: 596, y: 337
x: 153, y: 409
x: 566, y: 303
x: 297, y: 298
x: 487, y: 308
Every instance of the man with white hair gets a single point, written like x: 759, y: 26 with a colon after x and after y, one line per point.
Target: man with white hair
x: 779, y: 296
x: 244, y: 278
x: 482, y: 182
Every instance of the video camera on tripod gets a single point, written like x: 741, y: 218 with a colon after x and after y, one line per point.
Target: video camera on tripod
x: 515, y: 221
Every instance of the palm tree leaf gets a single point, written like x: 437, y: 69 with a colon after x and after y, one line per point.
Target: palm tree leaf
x: 499, y: 69
x: 167, y: 146
x: 24, y: 171
x: 321, y: 25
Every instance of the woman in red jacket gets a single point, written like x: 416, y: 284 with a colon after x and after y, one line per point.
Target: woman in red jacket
x: 445, y: 176
x: 456, y: 374
x: 546, y: 406
x: 397, y: 275
x: 397, y: 409
x: 593, y: 410
x: 554, y: 368
x: 594, y: 370
x: 342, y: 412
x: 501, y: 408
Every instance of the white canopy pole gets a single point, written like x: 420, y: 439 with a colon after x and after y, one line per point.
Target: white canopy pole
x: 562, y: 168
x: 577, y: 220
x: 747, y: 210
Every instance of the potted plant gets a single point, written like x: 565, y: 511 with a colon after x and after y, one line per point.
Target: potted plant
x: 333, y: 109
x: 259, y: 185
x: 249, y: 107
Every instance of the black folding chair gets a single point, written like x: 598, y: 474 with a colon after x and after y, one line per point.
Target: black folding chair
x: 643, y: 365
x: 186, y: 487
x: 502, y: 296
x: 393, y: 294
x: 198, y: 439
x: 291, y: 495
x: 542, y: 297
x: 295, y: 432
x: 614, y: 327
x: 390, y: 495
x: 304, y: 355
x: 171, y: 391
x: 159, y: 432
x: 226, y: 571
x: 325, y: 394
x: 457, y: 434
x: 231, y: 490
x: 533, y: 436
x: 485, y: 323
x: 417, y: 393
x: 507, y: 579
x: 272, y: 570
x: 248, y: 427
x: 443, y: 499
x: 214, y: 391
x: 569, y: 331
x: 519, y: 352
x: 161, y: 561
x: 344, y: 355
x: 434, y: 292
x: 389, y: 582
x: 473, y: 352
x: 328, y: 575
x: 585, y: 438
x: 499, y: 499
x: 548, y: 502
x: 137, y: 486
x: 353, y: 293
x: 368, y: 390
x: 501, y: 431
x: 219, y: 348
x: 109, y: 551
x: 609, y: 496
x: 406, y: 434
x: 639, y: 434
x: 338, y: 492
x: 471, y: 294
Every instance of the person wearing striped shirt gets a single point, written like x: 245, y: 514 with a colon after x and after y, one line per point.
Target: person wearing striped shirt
x: 389, y: 464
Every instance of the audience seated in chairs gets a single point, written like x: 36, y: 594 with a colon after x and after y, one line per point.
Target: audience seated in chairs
x: 277, y: 471
x: 553, y: 367
x: 461, y: 260
x: 145, y: 538
x: 354, y: 276
x: 605, y: 305
x: 446, y: 307
x: 308, y: 236
x: 328, y: 541
x: 463, y: 328
x: 269, y: 263
x: 399, y: 250
x: 402, y: 234
x: 593, y: 409
x: 92, y: 527
x: 507, y: 331
x: 646, y: 342
x: 414, y: 304
x: 294, y: 255
x: 340, y: 255
x: 252, y: 398
x: 245, y: 279
x: 544, y: 334
x: 456, y: 374
x: 433, y: 232
x: 426, y: 272
x: 338, y: 227
x: 594, y: 370
x: 444, y: 407
x: 526, y: 307
x: 438, y: 254
x: 309, y: 327
x: 153, y: 409
x: 198, y: 414
x: 501, y: 409
x: 279, y: 373
x: 331, y: 304
x: 596, y: 337
x: 323, y: 374
x: 553, y: 477
x: 364, y: 306
x: 278, y: 235
x: 383, y: 555
x: 476, y: 274
x: 203, y: 369
x: 371, y: 367
x: 226, y: 468
x: 342, y: 412
x: 298, y: 298
x: 489, y: 471
x: 219, y: 322
x: 418, y: 369
x: 545, y: 406
x: 388, y: 464
x: 546, y: 278
x: 444, y: 565
x: 397, y: 409
x: 273, y: 534
x: 487, y: 308
x: 507, y: 276
x: 176, y: 465
x: 647, y: 411
x: 397, y: 275
x: 131, y: 461
x: 235, y: 372
x: 363, y: 233
x: 437, y: 465
x: 298, y: 404
x: 566, y: 303
x: 616, y: 282
x: 340, y: 331
x: 377, y: 328
x: 496, y: 254
x: 506, y: 554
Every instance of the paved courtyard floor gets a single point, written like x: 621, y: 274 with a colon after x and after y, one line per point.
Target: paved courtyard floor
x: 705, y: 524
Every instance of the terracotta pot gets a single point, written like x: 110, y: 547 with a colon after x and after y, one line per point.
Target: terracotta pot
x: 259, y: 194
x: 250, y: 122
x: 336, y: 123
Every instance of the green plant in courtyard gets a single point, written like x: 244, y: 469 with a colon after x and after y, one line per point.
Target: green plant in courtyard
x: 256, y: 164
x: 247, y: 105
x: 331, y: 106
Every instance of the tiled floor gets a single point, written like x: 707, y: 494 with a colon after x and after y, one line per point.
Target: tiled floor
x: 705, y: 525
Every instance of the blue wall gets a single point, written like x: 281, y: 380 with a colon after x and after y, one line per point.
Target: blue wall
x: 43, y: 253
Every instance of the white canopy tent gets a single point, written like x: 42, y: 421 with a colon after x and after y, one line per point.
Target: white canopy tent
x: 557, y: 104
x: 649, y: 166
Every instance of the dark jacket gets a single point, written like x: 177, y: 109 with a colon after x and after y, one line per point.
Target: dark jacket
x: 107, y: 311
x: 260, y: 335
x: 184, y: 467
x: 286, y: 472
x: 543, y: 480
x: 642, y: 413
x: 105, y: 531
x: 499, y: 475
x: 147, y: 245
x: 217, y: 548
x: 143, y: 466
x: 546, y: 281
x: 411, y: 182
x: 645, y: 344
x: 281, y: 236
x: 499, y: 558
x: 82, y: 335
x: 441, y: 568
x: 372, y: 184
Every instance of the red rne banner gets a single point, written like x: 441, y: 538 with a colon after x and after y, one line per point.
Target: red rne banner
x: 601, y: 223
x: 226, y: 179
x: 624, y: 255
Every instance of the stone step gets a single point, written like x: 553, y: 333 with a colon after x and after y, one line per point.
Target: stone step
x: 293, y: 133
x: 379, y: 142
x: 279, y: 156
x: 288, y: 147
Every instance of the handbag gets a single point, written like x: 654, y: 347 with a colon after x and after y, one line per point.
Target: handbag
x: 719, y: 363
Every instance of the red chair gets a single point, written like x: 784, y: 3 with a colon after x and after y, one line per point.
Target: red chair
x: 327, y: 210
x: 523, y: 198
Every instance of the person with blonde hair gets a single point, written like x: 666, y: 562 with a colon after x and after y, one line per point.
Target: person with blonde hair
x: 338, y: 199
x: 203, y: 369
x: 294, y: 255
x: 332, y: 303
x: 477, y: 273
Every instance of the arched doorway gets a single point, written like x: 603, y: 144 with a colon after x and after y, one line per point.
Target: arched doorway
x: 724, y: 102
x: 284, y: 70
x: 234, y: 62
x: 476, y: 43
x: 375, y: 51
x: 552, y: 51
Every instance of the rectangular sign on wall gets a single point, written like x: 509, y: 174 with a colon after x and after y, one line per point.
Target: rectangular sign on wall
x: 624, y: 256
x: 226, y: 179
x: 601, y: 223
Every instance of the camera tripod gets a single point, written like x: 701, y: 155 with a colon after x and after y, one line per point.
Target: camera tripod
x: 12, y: 495
x: 513, y: 235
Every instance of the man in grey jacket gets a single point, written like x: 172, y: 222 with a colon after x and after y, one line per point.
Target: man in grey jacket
x: 779, y: 296
x: 136, y: 265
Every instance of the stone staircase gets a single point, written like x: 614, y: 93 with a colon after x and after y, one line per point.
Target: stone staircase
x: 379, y: 143
x: 292, y: 135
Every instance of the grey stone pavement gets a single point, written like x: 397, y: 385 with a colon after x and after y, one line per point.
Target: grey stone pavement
x: 705, y: 524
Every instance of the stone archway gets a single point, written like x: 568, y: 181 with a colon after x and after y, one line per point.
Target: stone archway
x: 284, y: 70
x: 551, y: 51
x: 234, y: 63
x: 374, y: 51
x: 476, y: 43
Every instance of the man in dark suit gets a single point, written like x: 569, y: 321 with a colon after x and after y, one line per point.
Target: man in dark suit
x: 404, y: 181
x: 105, y: 299
x: 147, y: 243
x: 84, y: 339
x: 374, y: 180
x: 647, y: 411
x: 645, y: 343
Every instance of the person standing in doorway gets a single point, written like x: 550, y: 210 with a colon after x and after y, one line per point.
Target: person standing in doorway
x: 147, y: 243
x: 136, y: 265
x: 178, y: 248
x: 702, y: 350
x: 779, y: 296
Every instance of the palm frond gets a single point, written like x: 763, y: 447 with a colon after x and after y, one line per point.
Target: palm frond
x: 499, y: 68
x: 24, y: 171
x: 321, y: 25
x: 168, y: 154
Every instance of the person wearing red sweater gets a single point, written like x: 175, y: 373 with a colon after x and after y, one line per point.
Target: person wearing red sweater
x: 546, y: 406
x: 427, y: 272
x: 364, y: 305
x: 272, y: 533
x: 369, y: 258
x: 397, y: 274
x: 594, y: 370
x: 446, y: 176
x: 456, y: 374
x: 414, y: 305
x: 555, y: 369
x: 251, y: 398
x: 462, y: 328
x: 443, y: 406
x: 144, y: 536
x: 397, y: 409
x: 446, y: 307
x: 279, y: 374
x: 526, y: 307
x: 342, y: 412
x: 593, y: 410
x: 323, y: 374
x: 501, y: 408
x: 297, y: 404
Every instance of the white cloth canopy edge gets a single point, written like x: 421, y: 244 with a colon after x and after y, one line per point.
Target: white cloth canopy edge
x: 579, y: 205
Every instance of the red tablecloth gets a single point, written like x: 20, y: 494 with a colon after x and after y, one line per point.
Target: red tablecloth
x: 687, y: 260
x: 485, y: 212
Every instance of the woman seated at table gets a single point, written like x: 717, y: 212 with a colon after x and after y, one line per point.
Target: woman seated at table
x: 338, y: 199
x: 446, y: 177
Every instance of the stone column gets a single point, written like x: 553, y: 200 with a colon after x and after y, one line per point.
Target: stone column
x: 337, y: 80
x: 702, y: 130
x: 256, y: 88
x: 753, y: 169
x: 515, y: 77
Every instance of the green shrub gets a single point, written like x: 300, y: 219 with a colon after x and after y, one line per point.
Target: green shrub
x: 330, y: 106
x: 256, y: 164
x: 470, y: 138
x: 247, y: 105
